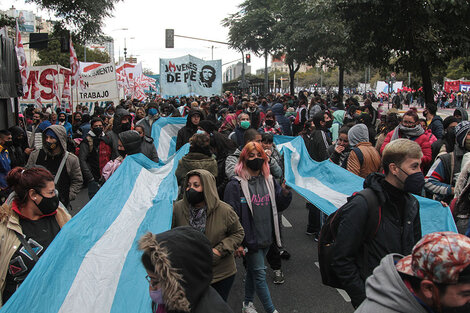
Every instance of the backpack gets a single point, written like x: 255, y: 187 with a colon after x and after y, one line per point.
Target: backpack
x: 359, y: 155
x: 329, y: 230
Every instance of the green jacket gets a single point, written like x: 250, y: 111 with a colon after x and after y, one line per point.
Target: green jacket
x: 194, y: 161
x: 223, y: 229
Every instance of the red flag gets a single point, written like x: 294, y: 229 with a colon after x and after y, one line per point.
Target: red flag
x: 74, y: 66
x: 37, y: 92
x: 23, y: 65
x: 55, y: 89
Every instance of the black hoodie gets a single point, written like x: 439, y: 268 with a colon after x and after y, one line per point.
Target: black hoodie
x: 189, y: 130
x: 183, y: 261
x: 117, y: 129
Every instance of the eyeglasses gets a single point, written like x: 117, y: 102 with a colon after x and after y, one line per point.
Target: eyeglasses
x: 151, y: 281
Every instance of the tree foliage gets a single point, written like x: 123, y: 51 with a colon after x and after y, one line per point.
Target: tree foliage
x: 52, y: 55
x: 82, y: 17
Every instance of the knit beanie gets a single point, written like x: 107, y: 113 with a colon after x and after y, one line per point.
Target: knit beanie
x: 461, y: 131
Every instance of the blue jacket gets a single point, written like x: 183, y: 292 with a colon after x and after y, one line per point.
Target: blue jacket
x: 237, y: 199
x: 436, y: 126
x: 4, y: 167
x: 68, y: 128
x: 284, y: 122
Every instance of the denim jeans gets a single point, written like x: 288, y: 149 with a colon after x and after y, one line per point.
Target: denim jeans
x: 255, y: 280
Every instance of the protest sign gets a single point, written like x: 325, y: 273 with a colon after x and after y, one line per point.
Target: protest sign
x: 99, y: 84
x: 189, y: 75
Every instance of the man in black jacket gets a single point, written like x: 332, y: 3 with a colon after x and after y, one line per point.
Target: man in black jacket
x: 357, y: 252
x: 194, y: 117
x: 317, y: 141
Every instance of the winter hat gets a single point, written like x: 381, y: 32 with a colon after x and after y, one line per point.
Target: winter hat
x: 51, y: 133
x: 442, y: 257
x: 358, y: 133
x: 461, y: 131
x: 449, y: 120
x: 208, y: 126
x: 131, y: 141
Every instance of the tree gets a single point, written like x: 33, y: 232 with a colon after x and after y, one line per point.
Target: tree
x: 52, y: 55
x: 83, y: 17
x: 251, y: 28
x: 420, y: 34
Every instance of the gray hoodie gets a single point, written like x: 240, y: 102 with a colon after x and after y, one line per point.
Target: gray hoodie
x: 386, y: 292
x: 358, y: 133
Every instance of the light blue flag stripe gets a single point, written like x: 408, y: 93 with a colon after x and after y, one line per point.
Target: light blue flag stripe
x: 164, y: 132
x: 327, y: 186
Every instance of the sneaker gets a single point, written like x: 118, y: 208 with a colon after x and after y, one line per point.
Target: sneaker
x: 276, y: 311
x: 249, y: 308
x: 278, y: 277
x: 310, y: 233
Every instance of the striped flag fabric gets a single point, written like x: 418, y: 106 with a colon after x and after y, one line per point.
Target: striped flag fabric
x: 74, y: 65
x: 328, y: 186
x: 23, y: 65
x: 164, y: 132
x: 55, y: 88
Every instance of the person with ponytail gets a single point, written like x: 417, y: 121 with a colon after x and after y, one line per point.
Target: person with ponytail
x: 256, y: 198
x: 30, y: 219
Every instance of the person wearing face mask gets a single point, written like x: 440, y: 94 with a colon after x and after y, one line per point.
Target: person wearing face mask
x: 255, y: 114
x: 76, y: 121
x: 54, y: 157
x: 5, y: 162
x: 256, y: 197
x: 202, y: 209
x: 356, y: 254
x: 192, y: 124
x: 284, y: 122
x: 178, y: 266
x: 460, y: 114
x: 243, y: 123
x: 29, y: 220
x: 198, y: 157
x: 339, y: 151
x: 270, y: 125
x: 121, y: 122
x: 363, y: 158
x: 95, y: 152
x: 62, y: 120
x: 434, y: 121
x: 435, y: 278
x: 19, y: 147
x: 444, y: 172
x: 411, y: 129
x: 447, y: 142
x: 35, y: 130
x: 147, y: 121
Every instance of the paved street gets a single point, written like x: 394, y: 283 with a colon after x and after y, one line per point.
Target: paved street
x: 302, y: 291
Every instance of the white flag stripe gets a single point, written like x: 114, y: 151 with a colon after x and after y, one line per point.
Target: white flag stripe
x: 101, y: 267
x: 313, y: 184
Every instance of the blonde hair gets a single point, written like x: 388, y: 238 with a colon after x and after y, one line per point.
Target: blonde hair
x: 398, y: 151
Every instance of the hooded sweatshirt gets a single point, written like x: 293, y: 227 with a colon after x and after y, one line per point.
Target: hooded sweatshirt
x: 386, y: 292
x: 223, y: 229
x: 463, y: 113
x: 187, y: 131
x: 338, y: 117
x: 117, y: 129
x: 184, y: 263
x: 71, y: 179
x: 370, y: 161
x: 278, y: 110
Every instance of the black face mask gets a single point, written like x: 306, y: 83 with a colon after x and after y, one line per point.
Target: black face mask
x: 125, y: 126
x: 270, y: 123
x: 122, y: 153
x: 255, y: 164
x: 8, y: 143
x: 62, y: 120
x: 413, y: 183
x: 50, y: 146
x: 194, y: 197
x: 329, y: 124
x: 78, y: 121
x: 97, y: 130
x: 47, y: 205
x: 457, y: 309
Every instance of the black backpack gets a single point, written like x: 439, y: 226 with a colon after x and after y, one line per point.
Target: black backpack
x: 329, y: 230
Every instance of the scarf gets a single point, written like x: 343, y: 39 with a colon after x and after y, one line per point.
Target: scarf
x: 197, y: 218
x: 406, y: 132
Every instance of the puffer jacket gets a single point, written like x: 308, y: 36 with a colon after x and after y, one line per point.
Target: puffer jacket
x: 223, y: 229
x: 436, y: 127
x: 237, y: 194
x: 9, y: 224
x: 194, y: 161
x: 371, y: 160
x: 183, y: 263
x: 72, y: 164
x: 355, y: 256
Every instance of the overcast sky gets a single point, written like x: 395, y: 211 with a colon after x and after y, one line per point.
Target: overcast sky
x: 146, y: 22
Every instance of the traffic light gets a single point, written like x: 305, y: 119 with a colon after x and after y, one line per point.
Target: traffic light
x: 169, y: 38
x: 248, y: 58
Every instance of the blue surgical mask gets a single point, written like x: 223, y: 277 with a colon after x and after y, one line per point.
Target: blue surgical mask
x: 156, y: 296
x: 152, y: 111
x: 199, y: 131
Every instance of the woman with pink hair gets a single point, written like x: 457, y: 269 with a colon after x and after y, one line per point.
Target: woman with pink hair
x: 257, y: 198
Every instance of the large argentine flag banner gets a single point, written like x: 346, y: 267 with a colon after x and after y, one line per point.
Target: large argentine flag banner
x: 328, y: 186
x: 93, y: 264
x: 164, y: 132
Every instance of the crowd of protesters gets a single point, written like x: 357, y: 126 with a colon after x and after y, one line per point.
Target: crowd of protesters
x: 232, y: 190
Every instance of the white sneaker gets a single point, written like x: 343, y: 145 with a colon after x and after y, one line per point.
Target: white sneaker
x: 275, y: 311
x: 249, y: 308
